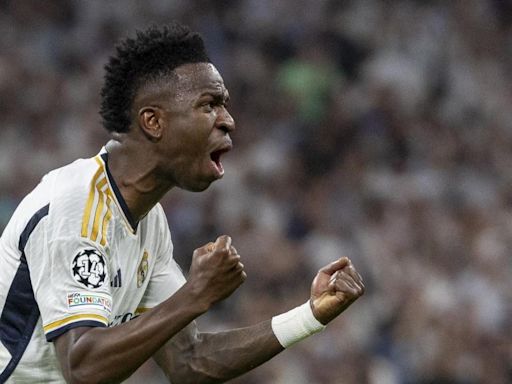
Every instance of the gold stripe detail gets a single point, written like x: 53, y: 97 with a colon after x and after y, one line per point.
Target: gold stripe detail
x: 97, y: 215
x: 101, y: 184
x: 99, y: 161
x: 106, y: 220
x: 140, y: 310
x: 104, y: 197
x: 90, y: 201
x: 72, y: 319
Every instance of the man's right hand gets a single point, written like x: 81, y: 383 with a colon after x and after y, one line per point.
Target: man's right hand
x: 216, y: 271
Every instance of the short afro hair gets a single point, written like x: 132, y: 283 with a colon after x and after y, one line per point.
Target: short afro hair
x: 154, y: 53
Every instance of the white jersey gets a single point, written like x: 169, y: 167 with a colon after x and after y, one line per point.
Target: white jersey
x: 72, y: 256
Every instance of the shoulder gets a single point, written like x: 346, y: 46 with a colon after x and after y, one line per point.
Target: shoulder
x: 73, y: 190
x: 60, y: 191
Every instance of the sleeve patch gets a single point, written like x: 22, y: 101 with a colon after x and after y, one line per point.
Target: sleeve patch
x: 87, y: 301
x: 89, y: 268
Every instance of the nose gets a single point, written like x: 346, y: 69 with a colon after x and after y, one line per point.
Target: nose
x: 225, y: 121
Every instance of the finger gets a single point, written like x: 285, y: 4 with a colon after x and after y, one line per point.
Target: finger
x: 351, y: 270
x: 239, y: 267
x: 207, y: 248
x: 233, y: 260
x: 233, y: 251
x: 342, y: 276
x: 349, y: 280
x: 343, y: 286
x: 355, y: 275
x: 223, y: 243
x: 335, y: 266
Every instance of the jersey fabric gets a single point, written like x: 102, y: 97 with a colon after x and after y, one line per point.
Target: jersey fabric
x: 72, y: 256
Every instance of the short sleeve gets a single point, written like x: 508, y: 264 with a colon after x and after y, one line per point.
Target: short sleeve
x: 70, y: 280
x: 166, y: 278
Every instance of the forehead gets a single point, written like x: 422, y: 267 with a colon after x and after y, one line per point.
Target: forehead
x: 197, y: 78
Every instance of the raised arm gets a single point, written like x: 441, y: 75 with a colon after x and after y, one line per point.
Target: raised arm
x: 194, y: 357
x: 106, y: 355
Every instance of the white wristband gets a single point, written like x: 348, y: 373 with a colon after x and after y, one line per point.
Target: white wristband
x: 295, y: 325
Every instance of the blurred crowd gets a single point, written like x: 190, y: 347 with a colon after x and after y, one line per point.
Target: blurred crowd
x: 380, y: 130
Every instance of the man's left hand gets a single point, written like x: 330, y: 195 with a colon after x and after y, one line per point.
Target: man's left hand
x: 334, y: 288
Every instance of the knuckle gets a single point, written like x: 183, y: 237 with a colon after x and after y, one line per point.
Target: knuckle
x: 225, y: 239
x: 221, y: 252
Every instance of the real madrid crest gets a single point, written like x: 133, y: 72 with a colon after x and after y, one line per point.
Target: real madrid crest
x: 142, y: 271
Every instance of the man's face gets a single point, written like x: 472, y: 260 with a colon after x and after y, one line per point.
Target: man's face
x: 196, y: 127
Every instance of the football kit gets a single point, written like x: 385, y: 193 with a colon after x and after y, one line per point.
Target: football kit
x: 72, y: 256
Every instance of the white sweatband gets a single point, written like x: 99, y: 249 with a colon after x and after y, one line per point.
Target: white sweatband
x: 295, y: 325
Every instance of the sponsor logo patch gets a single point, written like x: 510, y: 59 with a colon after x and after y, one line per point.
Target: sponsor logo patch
x: 89, y: 268
x: 87, y: 301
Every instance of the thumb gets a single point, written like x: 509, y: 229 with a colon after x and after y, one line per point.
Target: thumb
x: 335, y: 266
x: 204, y: 249
x: 222, y: 243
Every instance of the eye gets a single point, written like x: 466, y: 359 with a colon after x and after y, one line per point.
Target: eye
x: 208, y: 106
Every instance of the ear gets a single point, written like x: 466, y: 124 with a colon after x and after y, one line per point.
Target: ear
x: 150, y: 121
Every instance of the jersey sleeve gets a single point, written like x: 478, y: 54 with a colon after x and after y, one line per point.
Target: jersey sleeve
x: 166, y: 277
x: 70, y: 279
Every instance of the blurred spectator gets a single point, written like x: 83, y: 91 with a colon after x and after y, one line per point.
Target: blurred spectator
x: 381, y: 130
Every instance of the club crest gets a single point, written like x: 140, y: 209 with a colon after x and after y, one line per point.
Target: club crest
x: 142, y: 271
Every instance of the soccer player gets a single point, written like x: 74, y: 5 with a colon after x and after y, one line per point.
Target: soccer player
x: 88, y: 287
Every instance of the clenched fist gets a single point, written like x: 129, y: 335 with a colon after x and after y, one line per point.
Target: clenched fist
x: 334, y: 288
x: 216, y: 271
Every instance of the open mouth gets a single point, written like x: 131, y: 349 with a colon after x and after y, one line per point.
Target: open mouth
x: 215, y: 156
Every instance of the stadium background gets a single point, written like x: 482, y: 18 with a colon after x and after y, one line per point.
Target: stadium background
x: 381, y: 130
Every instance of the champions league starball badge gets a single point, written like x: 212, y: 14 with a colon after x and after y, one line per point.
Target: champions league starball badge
x: 89, y: 268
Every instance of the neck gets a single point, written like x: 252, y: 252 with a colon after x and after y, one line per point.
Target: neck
x: 135, y: 173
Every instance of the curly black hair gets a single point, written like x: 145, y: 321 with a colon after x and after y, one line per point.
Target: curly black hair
x: 154, y: 53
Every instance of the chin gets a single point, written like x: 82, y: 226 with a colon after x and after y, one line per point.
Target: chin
x: 197, y: 187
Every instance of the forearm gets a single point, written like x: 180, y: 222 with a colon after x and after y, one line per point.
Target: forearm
x: 94, y: 355
x: 217, y: 357
x: 105, y: 355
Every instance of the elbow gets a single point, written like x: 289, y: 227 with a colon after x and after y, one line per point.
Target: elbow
x: 193, y: 372
x: 89, y: 375
x: 92, y: 371
x: 205, y: 371
x: 77, y: 380
x: 82, y: 376
x: 87, y: 379
x: 77, y: 377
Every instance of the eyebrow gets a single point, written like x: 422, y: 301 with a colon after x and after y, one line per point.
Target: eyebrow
x: 217, y: 95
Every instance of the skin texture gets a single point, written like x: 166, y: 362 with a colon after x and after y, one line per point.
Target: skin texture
x: 177, y: 125
x: 175, y: 129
